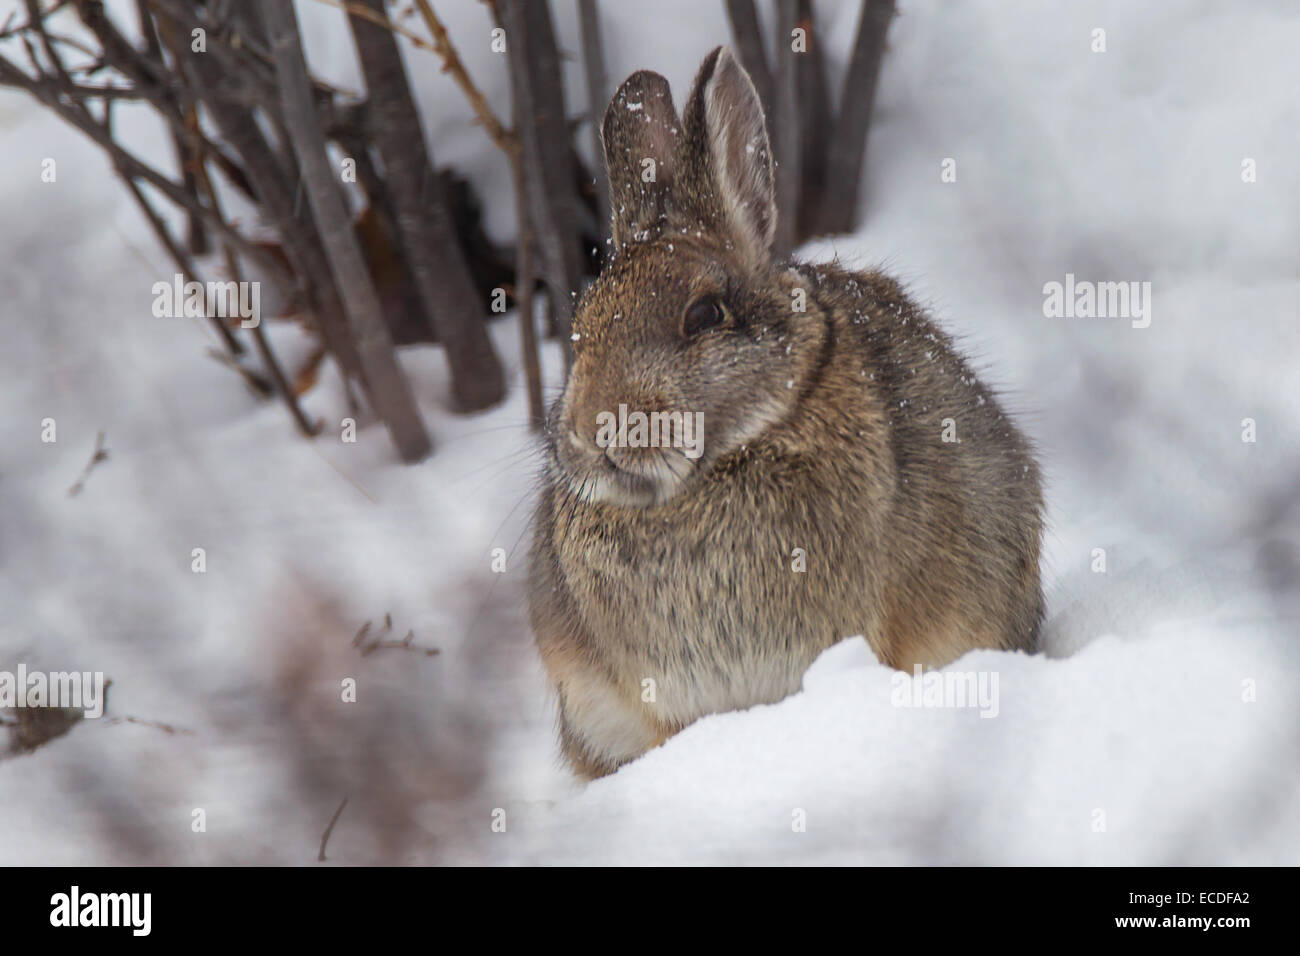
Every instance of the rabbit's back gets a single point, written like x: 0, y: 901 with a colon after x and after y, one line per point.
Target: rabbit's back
x: 965, y: 522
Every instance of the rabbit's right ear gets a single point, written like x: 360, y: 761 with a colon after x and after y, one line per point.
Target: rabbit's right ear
x: 726, y: 179
x: 640, y: 137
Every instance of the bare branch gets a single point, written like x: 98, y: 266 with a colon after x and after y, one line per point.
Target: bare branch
x: 358, y: 8
x: 273, y: 367
x: 848, y: 140
x: 389, y: 390
x: 748, y: 34
x: 785, y: 131
x: 187, y: 153
x: 593, y: 59
x: 455, y: 68
x: 815, y: 120
x: 546, y: 153
x: 274, y: 187
x: 42, y: 90
x: 179, y: 256
x: 425, y: 233
x: 60, y: 86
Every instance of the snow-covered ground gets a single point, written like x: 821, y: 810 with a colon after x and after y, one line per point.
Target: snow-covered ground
x: 1162, y: 725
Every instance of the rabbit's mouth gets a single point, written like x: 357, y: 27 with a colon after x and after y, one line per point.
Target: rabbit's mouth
x: 617, y: 476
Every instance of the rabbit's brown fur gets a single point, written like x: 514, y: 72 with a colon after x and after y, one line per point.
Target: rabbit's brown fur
x: 664, y: 588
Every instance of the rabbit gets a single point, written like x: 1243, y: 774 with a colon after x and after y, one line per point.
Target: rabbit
x: 854, y: 477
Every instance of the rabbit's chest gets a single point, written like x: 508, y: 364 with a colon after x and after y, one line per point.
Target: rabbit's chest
x: 711, y: 616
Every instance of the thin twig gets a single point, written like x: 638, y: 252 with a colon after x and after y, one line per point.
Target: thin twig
x: 43, y: 91
x: 287, y: 394
x: 36, y: 20
x: 271, y: 184
x: 524, y: 286
x: 365, y: 13
x: 187, y: 154
x: 402, y: 645
x: 63, y: 84
x: 325, y: 837
x: 379, y: 644
x: 156, y: 725
x: 179, y: 256
x: 452, y: 65
x: 255, y: 381
x: 100, y: 454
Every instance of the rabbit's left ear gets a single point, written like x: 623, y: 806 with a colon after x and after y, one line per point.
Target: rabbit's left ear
x: 726, y: 173
x: 640, y: 137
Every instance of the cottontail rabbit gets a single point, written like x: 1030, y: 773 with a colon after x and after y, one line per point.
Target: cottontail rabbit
x: 854, y: 477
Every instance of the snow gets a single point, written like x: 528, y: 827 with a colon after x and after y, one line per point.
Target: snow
x: 1160, y: 725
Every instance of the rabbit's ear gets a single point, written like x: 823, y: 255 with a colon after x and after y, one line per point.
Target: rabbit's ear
x: 640, y: 137
x: 726, y: 165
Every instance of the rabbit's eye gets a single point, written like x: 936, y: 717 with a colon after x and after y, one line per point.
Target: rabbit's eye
x: 703, y: 314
